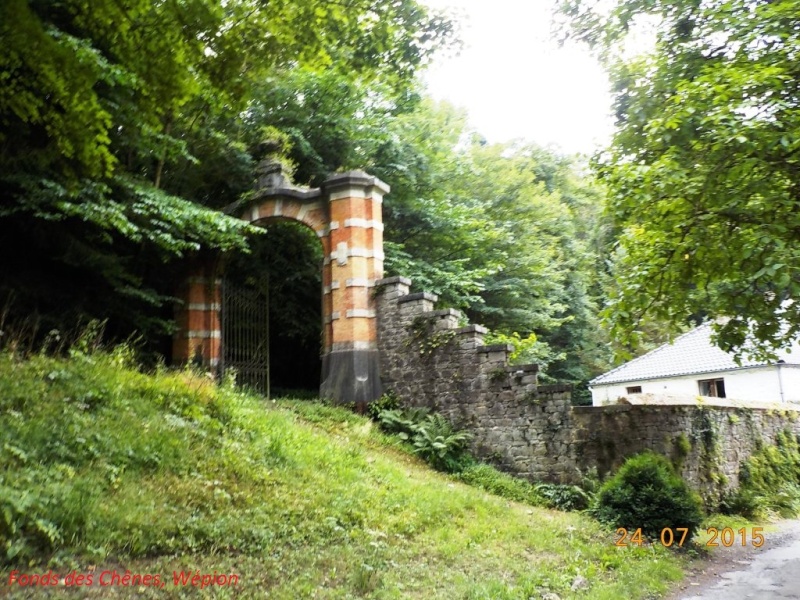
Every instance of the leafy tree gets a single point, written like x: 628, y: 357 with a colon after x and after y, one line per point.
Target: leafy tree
x: 122, y: 121
x: 704, y: 170
x: 508, y: 232
x: 432, y: 230
x: 332, y: 121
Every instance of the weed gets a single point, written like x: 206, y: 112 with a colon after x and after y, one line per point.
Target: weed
x: 682, y: 445
x: 365, y: 579
x: 498, y: 375
x: 389, y: 401
x: 426, y: 338
x: 438, y: 443
x: 490, y: 479
x: 564, y: 497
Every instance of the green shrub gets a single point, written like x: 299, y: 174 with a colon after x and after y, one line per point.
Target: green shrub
x: 389, y: 401
x: 440, y: 445
x: 743, y: 502
x: 402, y: 422
x: 564, y: 497
x: 646, y: 493
x: 785, y: 501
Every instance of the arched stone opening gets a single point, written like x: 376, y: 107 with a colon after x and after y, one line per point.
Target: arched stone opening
x: 271, y: 312
x: 345, y: 214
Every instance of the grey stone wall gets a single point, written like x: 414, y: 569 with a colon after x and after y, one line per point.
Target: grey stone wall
x: 431, y: 358
x: 428, y: 358
x: 716, y: 439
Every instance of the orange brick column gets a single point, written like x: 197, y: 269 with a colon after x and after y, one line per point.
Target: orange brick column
x: 350, y: 362
x: 197, y: 316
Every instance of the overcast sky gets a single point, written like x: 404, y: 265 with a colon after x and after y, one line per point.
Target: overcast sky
x: 516, y: 82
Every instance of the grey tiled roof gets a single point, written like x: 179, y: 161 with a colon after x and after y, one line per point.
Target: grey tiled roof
x: 692, y: 352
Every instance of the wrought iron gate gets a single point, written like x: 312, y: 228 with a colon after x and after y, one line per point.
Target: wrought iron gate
x: 245, y: 334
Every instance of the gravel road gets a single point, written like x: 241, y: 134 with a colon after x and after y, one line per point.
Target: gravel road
x: 770, y: 572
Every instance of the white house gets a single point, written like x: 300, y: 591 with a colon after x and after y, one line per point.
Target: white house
x: 692, y: 366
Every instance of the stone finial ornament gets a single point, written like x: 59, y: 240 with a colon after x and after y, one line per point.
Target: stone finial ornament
x: 271, y: 172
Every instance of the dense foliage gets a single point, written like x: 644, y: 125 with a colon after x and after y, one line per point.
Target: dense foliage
x: 126, y: 126
x: 704, y: 168
x: 511, y: 233
x: 647, y: 494
x: 121, y: 122
x: 508, y: 232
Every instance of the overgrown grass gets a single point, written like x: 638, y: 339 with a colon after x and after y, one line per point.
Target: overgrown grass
x: 501, y: 484
x: 103, y: 465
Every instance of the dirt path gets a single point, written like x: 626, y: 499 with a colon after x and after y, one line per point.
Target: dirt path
x: 739, y: 573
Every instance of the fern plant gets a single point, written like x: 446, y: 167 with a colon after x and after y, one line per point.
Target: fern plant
x: 431, y: 436
x: 439, y: 444
x: 402, y: 423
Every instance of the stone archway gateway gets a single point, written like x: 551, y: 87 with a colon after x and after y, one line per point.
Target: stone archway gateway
x: 345, y: 213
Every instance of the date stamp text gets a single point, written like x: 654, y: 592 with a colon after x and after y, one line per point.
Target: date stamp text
x: 670, y: 537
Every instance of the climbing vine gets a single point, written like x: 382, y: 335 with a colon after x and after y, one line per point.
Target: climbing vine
x: 707, y: 436
x: 422, y: 333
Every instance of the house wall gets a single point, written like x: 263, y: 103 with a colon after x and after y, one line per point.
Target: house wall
x: 790, y: 378
x: 753, y: 384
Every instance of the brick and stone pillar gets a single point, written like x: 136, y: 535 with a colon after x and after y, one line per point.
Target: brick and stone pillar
x: 197, y: 316
x: 350, y: 366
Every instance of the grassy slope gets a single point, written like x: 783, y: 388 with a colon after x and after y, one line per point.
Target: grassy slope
x: 100, y: 464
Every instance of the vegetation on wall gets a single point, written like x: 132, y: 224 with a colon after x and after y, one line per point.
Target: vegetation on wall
x: 769, y: 480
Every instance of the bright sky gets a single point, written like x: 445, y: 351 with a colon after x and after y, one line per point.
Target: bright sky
x: 516, y: 82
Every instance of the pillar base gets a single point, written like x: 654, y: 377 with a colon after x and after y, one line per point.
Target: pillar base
x: 351, y: 377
